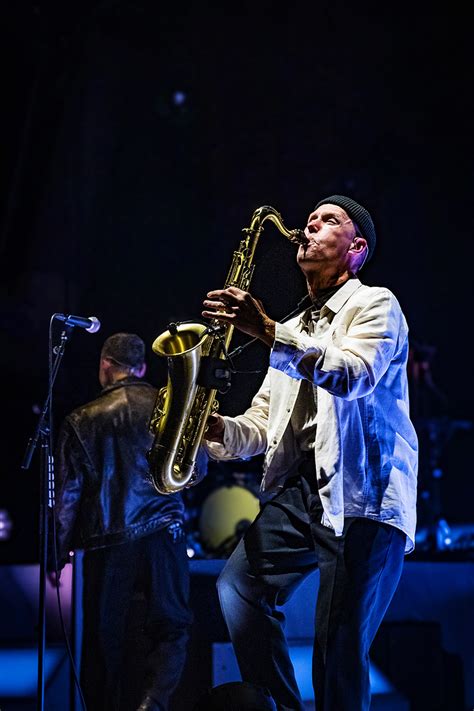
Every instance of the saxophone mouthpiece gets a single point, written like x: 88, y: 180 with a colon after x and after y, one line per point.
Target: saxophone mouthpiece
x: 299, y: 237
x: 173, y: 329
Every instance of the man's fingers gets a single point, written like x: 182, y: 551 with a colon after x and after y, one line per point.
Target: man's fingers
x: 218, y: 305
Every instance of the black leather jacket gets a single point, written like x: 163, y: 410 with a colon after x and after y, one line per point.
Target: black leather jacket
x: 103, y: 492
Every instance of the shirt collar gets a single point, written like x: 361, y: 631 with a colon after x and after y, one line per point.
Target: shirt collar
x: 335, y: 302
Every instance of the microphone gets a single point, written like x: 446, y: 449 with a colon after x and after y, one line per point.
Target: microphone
x: 91, y: 323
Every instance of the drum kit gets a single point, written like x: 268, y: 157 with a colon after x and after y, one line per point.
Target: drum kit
x: 221, y: 507
x: 435, y: 429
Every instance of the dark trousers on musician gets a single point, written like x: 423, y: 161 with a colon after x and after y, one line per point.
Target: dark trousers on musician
x: 153, y: 569
x: 359, y: 573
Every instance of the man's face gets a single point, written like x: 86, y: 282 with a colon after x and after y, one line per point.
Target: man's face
x: 330, y: 233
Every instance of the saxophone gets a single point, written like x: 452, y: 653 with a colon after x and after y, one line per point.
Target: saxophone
x: 197, y: 370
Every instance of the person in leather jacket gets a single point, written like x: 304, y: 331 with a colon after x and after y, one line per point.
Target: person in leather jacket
x: 132, y: 536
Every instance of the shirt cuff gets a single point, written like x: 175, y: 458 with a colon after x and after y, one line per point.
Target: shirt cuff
x: 224, y: 450
x: 289, y: 350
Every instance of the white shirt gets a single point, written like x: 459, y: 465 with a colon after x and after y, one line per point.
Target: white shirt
x: 366, y: 448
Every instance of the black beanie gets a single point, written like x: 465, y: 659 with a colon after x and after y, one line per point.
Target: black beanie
x: 358, y: 214
x: 126, y: 349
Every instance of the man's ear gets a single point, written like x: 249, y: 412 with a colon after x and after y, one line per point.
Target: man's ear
x: 105, y: 372
x: 358, y: 244
x: 360, y: 250
x: 140, y: 371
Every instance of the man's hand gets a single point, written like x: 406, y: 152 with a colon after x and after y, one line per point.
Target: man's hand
x: 215, y: 429
x: 242, y: 310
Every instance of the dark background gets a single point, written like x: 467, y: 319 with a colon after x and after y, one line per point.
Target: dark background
x: 123, y: 200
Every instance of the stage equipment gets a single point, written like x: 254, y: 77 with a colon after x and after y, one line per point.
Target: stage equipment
x: 222, y: 507
x: 236, y: 695
x: 43, y: 435
x: 90, y: 323
x: 434, y: 532
x: 225, y: 516
x: 198, y: 368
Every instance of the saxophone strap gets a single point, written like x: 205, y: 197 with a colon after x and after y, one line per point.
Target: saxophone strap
x: 237, y: 351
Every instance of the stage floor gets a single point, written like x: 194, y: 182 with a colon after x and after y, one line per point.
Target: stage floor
x: 423, y: 652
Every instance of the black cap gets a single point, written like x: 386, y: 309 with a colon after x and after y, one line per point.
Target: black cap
x: 358, y: 214
x: 126, y: 349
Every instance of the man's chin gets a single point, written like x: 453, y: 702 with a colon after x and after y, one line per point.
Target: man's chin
x: 306, y: 262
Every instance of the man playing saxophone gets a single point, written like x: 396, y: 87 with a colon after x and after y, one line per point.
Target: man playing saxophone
x: 340, y: 469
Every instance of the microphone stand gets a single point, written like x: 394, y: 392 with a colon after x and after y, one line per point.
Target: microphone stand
x: 44, y: 436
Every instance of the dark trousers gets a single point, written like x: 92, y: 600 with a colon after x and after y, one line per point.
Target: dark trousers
x: 156, y: 566
x: 359, y: 573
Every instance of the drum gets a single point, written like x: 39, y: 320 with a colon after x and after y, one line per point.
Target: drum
x: 225, y: 516
x: 221, y: 508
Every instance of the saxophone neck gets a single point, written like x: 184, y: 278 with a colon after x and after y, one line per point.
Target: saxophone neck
x: 266, y: 212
